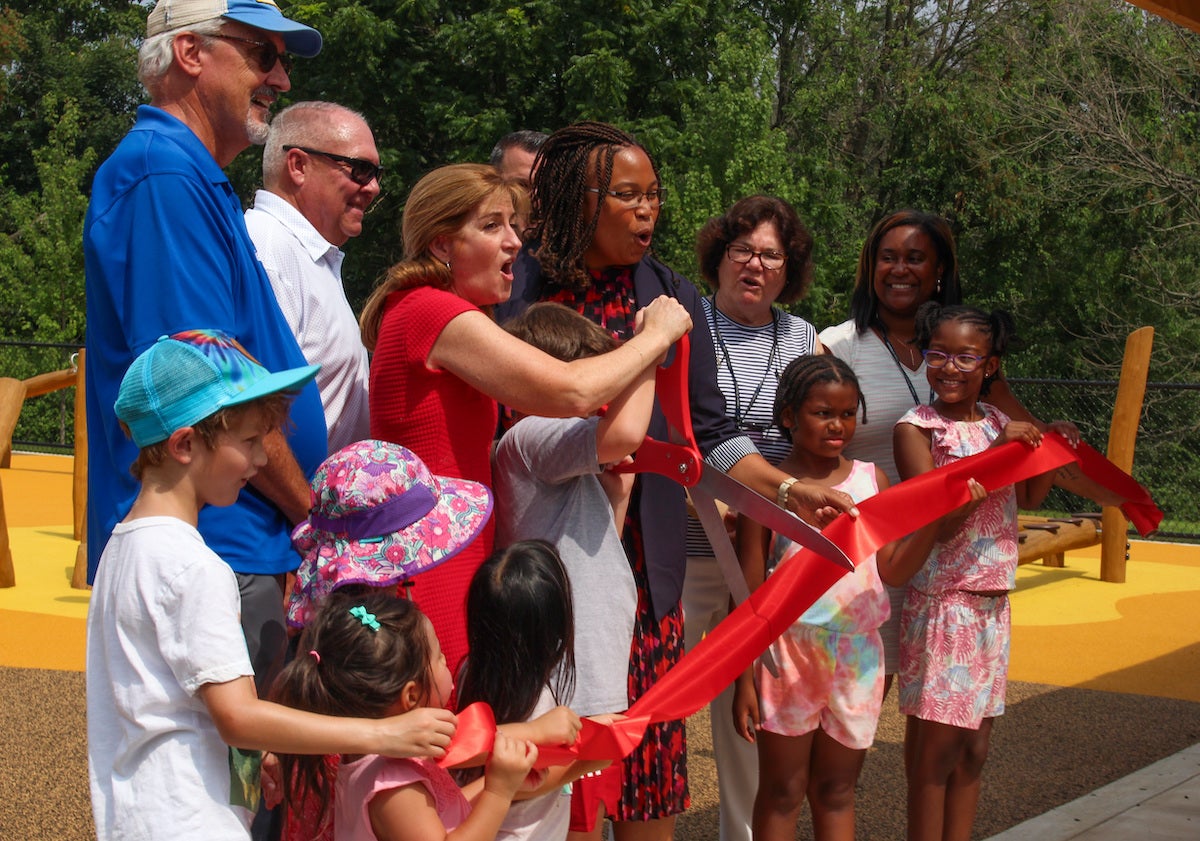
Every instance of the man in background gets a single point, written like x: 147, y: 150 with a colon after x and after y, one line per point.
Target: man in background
x: 513, y: 154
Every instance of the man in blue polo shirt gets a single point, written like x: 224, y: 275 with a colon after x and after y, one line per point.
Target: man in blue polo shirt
x: 166, y: 250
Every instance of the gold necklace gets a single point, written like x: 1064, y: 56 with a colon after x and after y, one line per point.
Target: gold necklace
x: 912, y: 355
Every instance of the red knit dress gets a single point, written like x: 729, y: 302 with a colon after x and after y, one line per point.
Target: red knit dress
x: 447, y: 423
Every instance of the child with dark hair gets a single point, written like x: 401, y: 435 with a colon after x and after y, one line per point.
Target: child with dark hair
x: 551, y: 485
x: 815, y: 720
x: 955, y: 626
x: 519, y: 613
x: 597, y: 196
x: 520, y: 629
x: 378, y: 519
x: 371, y: 655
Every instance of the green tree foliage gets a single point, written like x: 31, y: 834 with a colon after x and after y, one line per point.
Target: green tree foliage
x: 41, y: 262
x: 41, y: 258
x: 77, y: 49
x: 40, y: 247
x: 1060, y: 137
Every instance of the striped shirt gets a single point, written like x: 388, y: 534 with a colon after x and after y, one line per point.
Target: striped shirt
x: 750, y: 361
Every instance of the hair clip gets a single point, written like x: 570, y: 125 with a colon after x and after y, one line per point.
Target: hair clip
x: 368, y: 619
x: 315, y: 655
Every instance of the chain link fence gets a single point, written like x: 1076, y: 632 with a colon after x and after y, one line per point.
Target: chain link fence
x: 1167, y: 458
x: 1167, y: 455
x: 46, y: 424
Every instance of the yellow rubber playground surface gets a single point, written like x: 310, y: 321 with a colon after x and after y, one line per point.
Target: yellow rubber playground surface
x: 1104, y: 688
x: 1069, y: 628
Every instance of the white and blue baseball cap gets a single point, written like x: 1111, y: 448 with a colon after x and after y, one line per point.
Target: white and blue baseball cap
x: 298, y: 39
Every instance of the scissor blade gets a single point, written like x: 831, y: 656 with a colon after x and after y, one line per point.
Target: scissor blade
x: 718, y: 538
x: 723, y: 551
x: 762, y: 510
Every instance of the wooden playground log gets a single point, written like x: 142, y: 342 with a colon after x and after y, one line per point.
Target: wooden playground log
x: 1048, y: 540
x: 1122, y: 436
x: 46, y: 383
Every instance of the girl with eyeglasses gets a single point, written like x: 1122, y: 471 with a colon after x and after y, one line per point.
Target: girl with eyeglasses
x: 955, y: 625
x: 597, y: 196
x: 755, y: 256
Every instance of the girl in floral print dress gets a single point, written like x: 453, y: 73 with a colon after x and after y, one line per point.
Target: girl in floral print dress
x: 955, y: 626
x: 814, y: 720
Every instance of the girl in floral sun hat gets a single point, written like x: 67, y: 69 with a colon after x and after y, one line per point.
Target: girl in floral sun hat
x: 379, y: 517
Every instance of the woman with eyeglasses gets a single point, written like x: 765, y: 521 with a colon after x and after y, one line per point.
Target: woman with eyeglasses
x: 756, y: 256
x: 596, y: 200
x: 908, y: 258
x: 440, y: 362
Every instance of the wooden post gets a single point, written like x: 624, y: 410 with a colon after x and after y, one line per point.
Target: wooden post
x: 79, y: 468
x: 12, y: 395
x: 1122, y: 435
x: 79, y: 574
x: 79, y: 483
x: 8, y: 578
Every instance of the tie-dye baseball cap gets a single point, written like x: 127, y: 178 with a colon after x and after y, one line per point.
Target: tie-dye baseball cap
x: 183, y: 378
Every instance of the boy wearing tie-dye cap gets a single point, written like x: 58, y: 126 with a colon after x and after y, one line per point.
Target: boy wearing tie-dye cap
x: 169, y: 681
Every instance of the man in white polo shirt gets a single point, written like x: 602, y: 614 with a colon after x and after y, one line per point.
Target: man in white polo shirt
x: 320, y: 174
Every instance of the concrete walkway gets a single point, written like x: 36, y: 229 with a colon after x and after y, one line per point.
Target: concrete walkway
x: 1158, y: 803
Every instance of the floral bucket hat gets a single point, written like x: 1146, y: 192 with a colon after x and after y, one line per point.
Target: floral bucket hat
x: 379, y: 517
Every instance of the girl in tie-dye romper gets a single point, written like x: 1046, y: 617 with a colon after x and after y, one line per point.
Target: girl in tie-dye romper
x: 954, y: 631
x: 814, y: 721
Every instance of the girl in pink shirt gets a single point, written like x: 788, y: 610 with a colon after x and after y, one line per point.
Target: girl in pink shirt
x: 368, y: 655
x: 955, y: 628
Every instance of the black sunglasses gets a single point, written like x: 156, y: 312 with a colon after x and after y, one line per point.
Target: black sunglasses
x: 360, y: 172
x: 266, y: 55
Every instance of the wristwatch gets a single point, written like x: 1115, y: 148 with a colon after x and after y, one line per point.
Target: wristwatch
x: 781, y: 495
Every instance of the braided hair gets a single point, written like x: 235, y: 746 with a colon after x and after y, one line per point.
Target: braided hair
x: 997, y: 325
x: 560, y: 182
x: 800, y: 377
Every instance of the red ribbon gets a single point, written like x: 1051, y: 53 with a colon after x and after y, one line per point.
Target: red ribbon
x: 737, y: 641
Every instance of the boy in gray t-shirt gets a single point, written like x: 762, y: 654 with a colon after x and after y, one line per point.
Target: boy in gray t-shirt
x: 551, y: 483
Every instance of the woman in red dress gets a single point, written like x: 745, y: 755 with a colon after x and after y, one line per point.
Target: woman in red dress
x: 440, y: 362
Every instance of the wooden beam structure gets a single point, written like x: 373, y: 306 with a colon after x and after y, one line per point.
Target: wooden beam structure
x: 1186, y: 13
